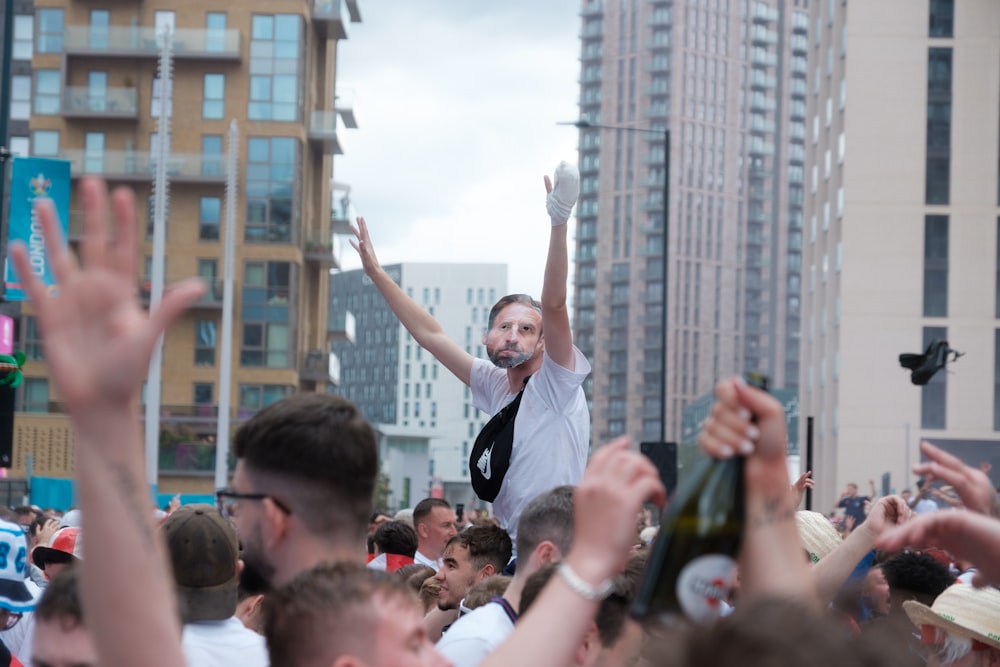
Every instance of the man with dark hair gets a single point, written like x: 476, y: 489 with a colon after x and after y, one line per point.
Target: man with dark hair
x: 546, y: 444
x: 470, y: 557
x: 61, y: 638
x: 434, y: 521
x: 395, y: 544
x: 345, y: 614
x: 544, y: 536
x: 303, y: 486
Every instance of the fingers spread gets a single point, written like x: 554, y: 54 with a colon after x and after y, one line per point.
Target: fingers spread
x: 95, y: 216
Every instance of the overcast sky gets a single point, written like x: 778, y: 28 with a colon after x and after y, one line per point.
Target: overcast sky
x: 457, y: 103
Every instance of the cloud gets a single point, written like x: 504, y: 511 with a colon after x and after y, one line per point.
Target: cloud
x: 457, y: 105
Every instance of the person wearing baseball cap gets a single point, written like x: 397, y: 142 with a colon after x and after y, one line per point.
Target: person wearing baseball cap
x: 961, y: 628
x: 204, y: 554
x: 64, y: 549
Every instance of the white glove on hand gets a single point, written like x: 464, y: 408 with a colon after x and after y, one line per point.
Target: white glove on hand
x: 565, y: 190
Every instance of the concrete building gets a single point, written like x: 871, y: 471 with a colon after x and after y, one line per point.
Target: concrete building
x: 272, y: 67
x: 424, y: 414
x: 903, y: 207
x: 728, y: 81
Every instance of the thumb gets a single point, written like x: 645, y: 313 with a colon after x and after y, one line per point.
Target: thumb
x: 759, y: 402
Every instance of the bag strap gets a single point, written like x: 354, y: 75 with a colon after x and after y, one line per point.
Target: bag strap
x: 511, y: 614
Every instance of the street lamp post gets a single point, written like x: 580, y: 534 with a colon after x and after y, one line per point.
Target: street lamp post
x: 587, y: 125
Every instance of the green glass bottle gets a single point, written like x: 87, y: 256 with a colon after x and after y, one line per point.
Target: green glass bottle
x: 692, y: 565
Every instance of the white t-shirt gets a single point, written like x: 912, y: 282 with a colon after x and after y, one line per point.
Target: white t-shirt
x: 424, y: 560
x: 477, y: 634
x: 551, y: 431
x: 223, y: 643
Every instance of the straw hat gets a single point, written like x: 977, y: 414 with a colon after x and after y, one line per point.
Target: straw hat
x: 817, y: 534
x: 962, y: 610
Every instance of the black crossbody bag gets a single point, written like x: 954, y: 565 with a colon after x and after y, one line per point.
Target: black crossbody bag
x: 490, y: 456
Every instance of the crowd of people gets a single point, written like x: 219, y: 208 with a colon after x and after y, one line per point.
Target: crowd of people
x: 292, y: 567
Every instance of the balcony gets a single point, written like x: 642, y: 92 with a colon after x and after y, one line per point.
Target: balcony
x: 342, y: 212
x: 330, y: 18
x: 592, y: 8
x: 316, y: 366
x: 345, y: 104
x: 138, y: 42
x: 138, y: 166
x: 341, y: 326
x: 324, y: 131
x: 321, y: 249
x: 109, y: 104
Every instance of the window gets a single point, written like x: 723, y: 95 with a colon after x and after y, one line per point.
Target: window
x: 202, y: 394
x: 933, y: 398
x: 93, y: 153
x: 265, y: 337
x: 31, y: 339
x: 204, y: 343
x: 998, y: 271
x: 48, y: 89
x: 275, y: 61
x: 45, y: 143
x: 97, y: 91
x: 20, y: 146
x: 208, y: 270
x: 20, y: 97
x: 938, y: 168
x: 211, y: 155
x: 50, y: 31
x: 272, y: 170
x: 253, y: 397
x: 215, y: 32
x: 942, y: 18
x: 24, y: 37
x: 996, y: 380
x: 213, y: 105
x: 209, y: 215
x: 36, y: 395
x: 100, y: 29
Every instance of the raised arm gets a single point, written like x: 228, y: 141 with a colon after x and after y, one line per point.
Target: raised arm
x: 422, y: 326
x: 98, y: 341
x: 555, y: 316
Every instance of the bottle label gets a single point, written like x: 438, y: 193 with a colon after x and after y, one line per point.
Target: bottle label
x: 704, y: 584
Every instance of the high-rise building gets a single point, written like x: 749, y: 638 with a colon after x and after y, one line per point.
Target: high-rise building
x: 727, y: 80
x: 94, y: 97
x: 425, y: 417
x: 901, y: 247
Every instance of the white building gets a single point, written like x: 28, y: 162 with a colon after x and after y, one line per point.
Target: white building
x: 424, y: 414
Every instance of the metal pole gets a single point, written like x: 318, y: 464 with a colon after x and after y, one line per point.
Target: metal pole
x: 809, y: 459
x: 226, y: 362
x: 161, y: 194
x: 5, y: 93
x: 666, y: 275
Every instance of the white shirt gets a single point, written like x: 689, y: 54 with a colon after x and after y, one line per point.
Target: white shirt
x: 551, y: 432
x: 475, y: 635
x: 223, y: 643
x: 424, y: 560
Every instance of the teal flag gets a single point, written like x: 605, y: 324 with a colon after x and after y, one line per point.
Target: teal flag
x: 34, y: 178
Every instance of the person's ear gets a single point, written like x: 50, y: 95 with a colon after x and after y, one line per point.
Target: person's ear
x: 276, y: 519
x: 547, y: 552
x: 485, y: 572
x: 591, y: 644
x: 422, y: 531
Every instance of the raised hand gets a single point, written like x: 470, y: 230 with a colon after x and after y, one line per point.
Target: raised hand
x: 362, y: 242
x: 97, y: 337
x: 971, y: 484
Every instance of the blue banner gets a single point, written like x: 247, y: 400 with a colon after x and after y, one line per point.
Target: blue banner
x: 34, y: 178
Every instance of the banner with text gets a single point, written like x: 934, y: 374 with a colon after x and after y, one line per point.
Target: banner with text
x: 34, y: 178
